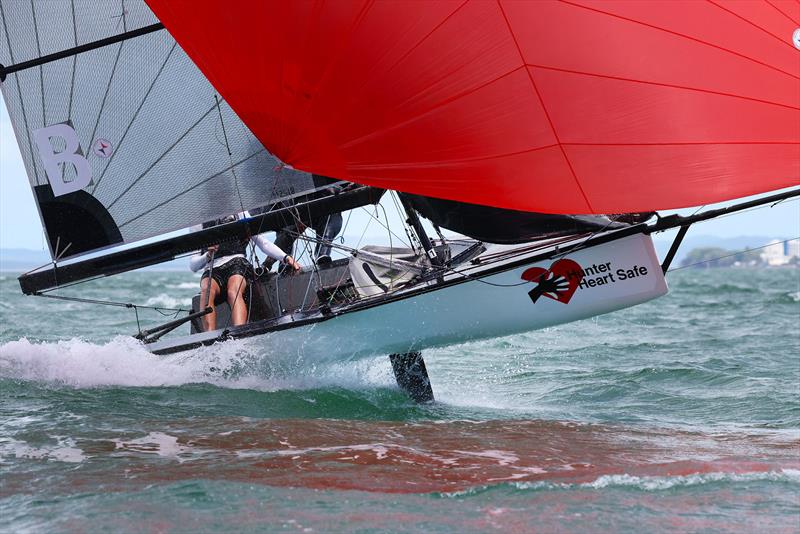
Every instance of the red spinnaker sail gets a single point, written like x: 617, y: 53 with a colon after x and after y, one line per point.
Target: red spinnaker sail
x: 551, y: 106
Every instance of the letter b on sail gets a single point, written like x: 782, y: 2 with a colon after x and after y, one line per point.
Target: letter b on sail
x: 71, y: 154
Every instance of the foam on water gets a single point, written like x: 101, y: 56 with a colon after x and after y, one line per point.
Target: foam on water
x: 160, y: 444
x: 645, y: 483
x: 64, y: 451
x: 656, y: 483
x: 124, y: 361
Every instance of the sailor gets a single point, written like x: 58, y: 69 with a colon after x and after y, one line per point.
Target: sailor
x: 229, y: 272
x: 326, y: 227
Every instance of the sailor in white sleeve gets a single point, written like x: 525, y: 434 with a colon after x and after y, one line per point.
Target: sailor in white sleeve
x: 230, y: 272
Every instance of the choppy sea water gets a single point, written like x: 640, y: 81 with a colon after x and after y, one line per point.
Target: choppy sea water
x: 680, y: 414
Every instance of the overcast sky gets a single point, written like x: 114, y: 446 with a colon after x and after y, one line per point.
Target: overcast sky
x: 20, y: 226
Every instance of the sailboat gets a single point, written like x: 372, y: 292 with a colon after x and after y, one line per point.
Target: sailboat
x: 546, y: 134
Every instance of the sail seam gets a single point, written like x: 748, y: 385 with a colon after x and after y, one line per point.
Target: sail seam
x: 417, y: 164
x: 162, y: 156
x: 751, y: 23
x: 418, y: 116
x: 74, y: 59
x: 544, y: 108
x: 21, y: 101
x: 776, y: 8
x: 662, y: 84
x: 103, y: 102
x: 323, y: 78
x: 198, y: 184
x: 41, y: 72
x: 401, y: 59
x: 133, y: 119
x: 684, y: 36
x: 690, y: 143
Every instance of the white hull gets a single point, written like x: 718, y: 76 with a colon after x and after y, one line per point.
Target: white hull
x: 474, y: 310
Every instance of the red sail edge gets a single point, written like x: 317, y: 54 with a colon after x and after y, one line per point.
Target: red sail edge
x: 555, y: 107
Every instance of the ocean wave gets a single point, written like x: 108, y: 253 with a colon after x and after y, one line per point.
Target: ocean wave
x: 185, y: 285
x: 65, y: 451
x: 660, y: 483
x: 159, y: 444
x: 168, y: 301
x: 644, y: 483
x: 124, y: 361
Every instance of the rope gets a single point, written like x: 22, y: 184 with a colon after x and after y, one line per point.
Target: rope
x: 733, y: 254
x: 118, y: 305
x: 111, y: 303
x: 385, y: 226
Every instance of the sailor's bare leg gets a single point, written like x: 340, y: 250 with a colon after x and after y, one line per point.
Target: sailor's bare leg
x: 206, y: 284
x: 236, y: 287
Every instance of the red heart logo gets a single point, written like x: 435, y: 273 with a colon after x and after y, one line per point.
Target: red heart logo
x: 559, y: 282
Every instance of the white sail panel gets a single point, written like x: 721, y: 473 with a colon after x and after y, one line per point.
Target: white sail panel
x: 153, y: 150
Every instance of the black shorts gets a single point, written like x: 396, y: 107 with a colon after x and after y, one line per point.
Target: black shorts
x: 222, y: 273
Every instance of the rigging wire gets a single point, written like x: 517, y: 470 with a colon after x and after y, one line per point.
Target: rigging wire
x: 403, y: 217
x: 385, y: 226
x: 315, y: 270
x: 391, y: 249
x: 366, y: 227
x: 733, y: 254
x: 765, y: 206
x: 754, y: 208
x: 230, y: 154
x: 239, y: 292
x: 346, y: 224
x: 117, y: 304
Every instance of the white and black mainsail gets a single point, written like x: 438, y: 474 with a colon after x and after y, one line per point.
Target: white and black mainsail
x: 128, y: 140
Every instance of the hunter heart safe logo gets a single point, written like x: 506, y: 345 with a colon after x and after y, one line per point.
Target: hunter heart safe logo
x: 559, y: 282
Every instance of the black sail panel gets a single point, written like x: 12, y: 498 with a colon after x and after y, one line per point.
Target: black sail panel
x: 496, y: 225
